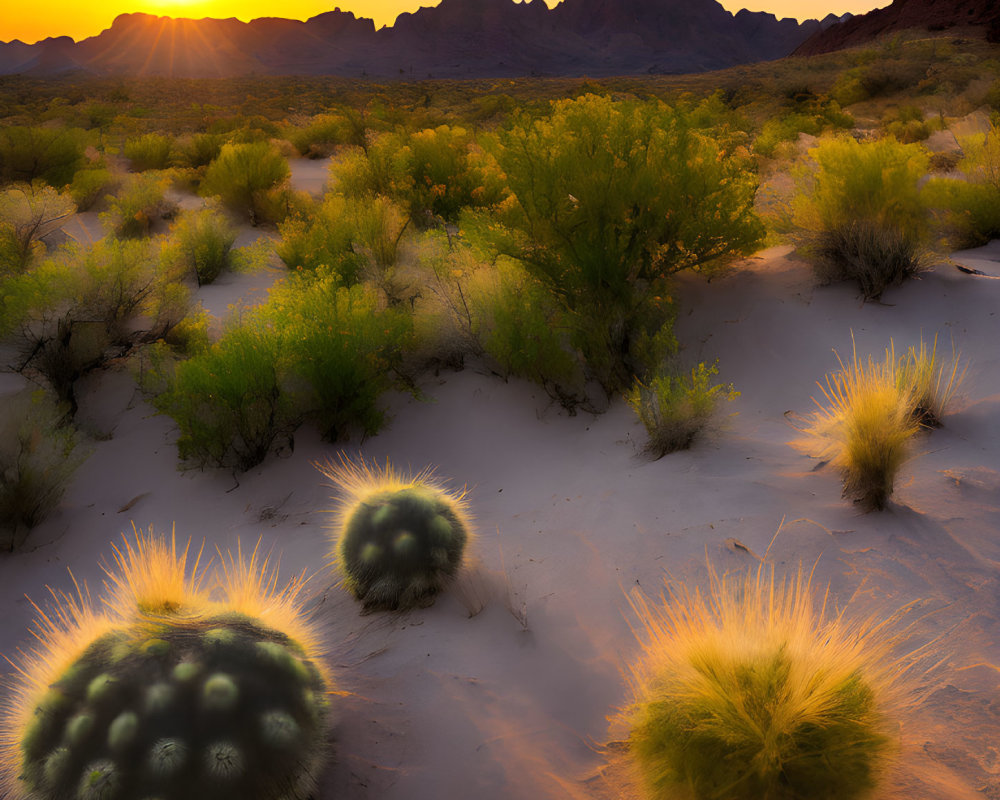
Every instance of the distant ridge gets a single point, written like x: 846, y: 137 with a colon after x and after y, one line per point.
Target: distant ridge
x: 929, y: 15
x: 456, y: 39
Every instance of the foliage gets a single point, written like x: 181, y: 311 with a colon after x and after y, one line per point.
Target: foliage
x: 204, y: 242
x: 51, y: 155
x: 813, y: 121
x: 90, y: 185
x: 379, y: 225
x: 343, y: 343
x: 320, y: 136
x: 245, y: 177
x: 675, y: 408
x: 928, y: 382
x: 398, y: 539
x: 865, y: 428
x: 750, y: 691
x: 135, y: 206
x: 228, y: 402
x: 609, y: 199
x: 38, y: 455
x: 201, y: 149
x: 860, y: 213
x: 324, y: 236
x: 168, y: 691
x: 149, y: 151
x: 28, y: 213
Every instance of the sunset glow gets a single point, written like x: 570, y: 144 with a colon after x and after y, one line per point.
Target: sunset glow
x: 30, y: 22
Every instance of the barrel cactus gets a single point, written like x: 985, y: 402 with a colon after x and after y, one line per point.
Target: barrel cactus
x: 168, y: 693
x: 754, y: 693
x: 397, y: 539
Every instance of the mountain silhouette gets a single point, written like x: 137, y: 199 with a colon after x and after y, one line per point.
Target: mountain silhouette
x: 456, y: 39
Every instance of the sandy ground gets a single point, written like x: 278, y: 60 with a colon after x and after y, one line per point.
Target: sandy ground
x: 503, y: 689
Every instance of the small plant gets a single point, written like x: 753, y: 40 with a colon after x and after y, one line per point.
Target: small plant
x: 323, y: 237
x: 149, y: 151
x: 204, y: 241
x: 137, y: 204
x: 675, y: 409
x: 169, y: 693
x: 245, y: 177
x: 397, y: 540
x: 91, y: 185
x: 930, y: 383
x: 866, y: 427
x: 38, y: 455
x: 755, y: 691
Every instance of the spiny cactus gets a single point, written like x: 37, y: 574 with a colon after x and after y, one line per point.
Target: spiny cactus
x: 397, y: 539
x: 170, y: 694
x: 752, y: 693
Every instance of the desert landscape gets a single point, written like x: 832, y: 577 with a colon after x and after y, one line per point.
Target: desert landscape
x: 517, y: 680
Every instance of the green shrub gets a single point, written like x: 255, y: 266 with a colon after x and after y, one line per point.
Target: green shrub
x: 28, y: 214
x: 202, y: 149
x: 322, y: 237
x: 38, y: 455
x: 343, y: 344
x: 866, y: 427
x: 398, y: 539
x: 380, y: 168
x: 204, y: 241
x: 753, y: 690
x: 379, y: 225
x: 610, y: 199
x: 149, y: 151
x: 812, y: 121
x: 228, y: 401
x: 674, y: 409
x: 90, y: 185
x: 52, y: 155
x: 320, y: 136
x: 164, y: 691
x: 859, y: 211
x: 246, y: 178
x: 136, y: 205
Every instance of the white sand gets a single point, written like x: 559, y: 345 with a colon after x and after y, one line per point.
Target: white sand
x: 569, y: 516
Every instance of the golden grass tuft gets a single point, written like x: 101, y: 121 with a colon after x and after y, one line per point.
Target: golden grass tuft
x: 930, y: 382
x: 756, y: 691
x: 865, y: 428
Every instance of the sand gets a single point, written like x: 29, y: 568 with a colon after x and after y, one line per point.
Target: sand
x: 503, y: 689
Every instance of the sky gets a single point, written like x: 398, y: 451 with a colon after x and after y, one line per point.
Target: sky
x: 31, y: 20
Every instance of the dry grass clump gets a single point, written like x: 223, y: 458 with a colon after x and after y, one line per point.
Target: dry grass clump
x: 929, y: 382
x: 757, y: 692
x: 397, y: 539
x: 865, y: 427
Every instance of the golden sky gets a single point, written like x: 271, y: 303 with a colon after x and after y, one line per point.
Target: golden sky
x: 31, y: 20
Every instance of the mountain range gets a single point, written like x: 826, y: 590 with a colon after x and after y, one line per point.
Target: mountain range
x: 456, y: 39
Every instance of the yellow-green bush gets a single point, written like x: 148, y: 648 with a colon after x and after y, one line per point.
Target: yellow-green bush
x: 149, y: 151
x: 246, y: 177
x: 323, y: 236
x: 137, y: 204
x: 203, y: 243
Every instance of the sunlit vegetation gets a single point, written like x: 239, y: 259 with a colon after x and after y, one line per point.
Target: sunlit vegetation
x: 398, y: 539
x: 27, y: 214
x: 137, y: 205
x: 929, y: 381
x: 757, y: 689
x: 203, y: 243
x: 249, y: 178
x: 148, y: 151
x: 47, y: 154
x: 676, y: 408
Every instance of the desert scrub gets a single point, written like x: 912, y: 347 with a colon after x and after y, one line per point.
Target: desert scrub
x: 228, y: 400
x: 148, y: 151
x: 397, y: 539
x: 609, y: 199
x: 929, y: 382
x: 342, y: 348
x: 168, y: 690
x: 858, y: 211
x: 136, y: 205
x: 865, y: 427
x: 203, y: 242
x: 27, y: 215
x: 247, y: 177
x: 91, y: 185
x: 755, y: 690
x: 322, y: 236
x: 30, y: 153
x: 674, y: 409
x: 39, y: 453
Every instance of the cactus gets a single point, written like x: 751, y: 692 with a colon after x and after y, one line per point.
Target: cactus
x: 753, y: 693
x: 397, y: 539
x: 176, y: 695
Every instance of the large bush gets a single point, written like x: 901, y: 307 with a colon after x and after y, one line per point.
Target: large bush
x: 859, y: 211
x: 38, y: 455
x: 138, y: 203
x: 27, y: 214
x: 323, y: 237
x: 203, y: 242
x: 52, y: 155
x: 609, y: 200
x: 246, y: 177
x: 149, y: 151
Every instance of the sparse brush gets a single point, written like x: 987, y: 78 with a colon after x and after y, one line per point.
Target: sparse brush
x: 675, y: 409
x: 866, y: 427
x: 397, y: 539
x: 167, y: 692
x: 873, y: 254
x: 930, y: 383
x: 756, y: 692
